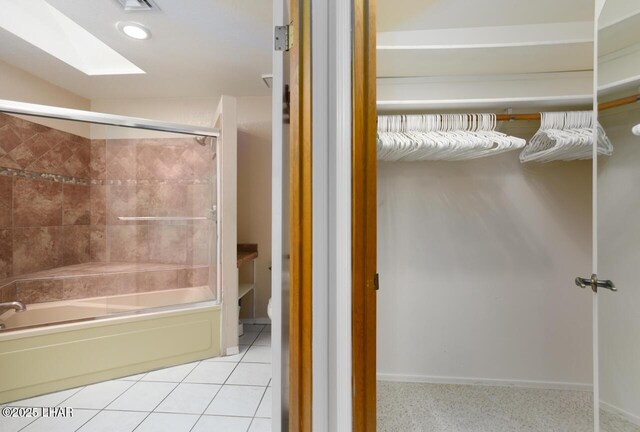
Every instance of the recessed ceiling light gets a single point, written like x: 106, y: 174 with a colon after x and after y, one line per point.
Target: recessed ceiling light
x: 42, y: 25
x: 134, y: 30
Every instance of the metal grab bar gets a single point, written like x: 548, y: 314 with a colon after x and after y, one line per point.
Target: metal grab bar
x: 213, y: 212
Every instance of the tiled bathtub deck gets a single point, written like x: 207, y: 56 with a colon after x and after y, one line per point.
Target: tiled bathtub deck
x: 230, y: 394
x: 96, y: 279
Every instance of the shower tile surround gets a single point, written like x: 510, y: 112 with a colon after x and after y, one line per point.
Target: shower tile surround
x: 60, y: 199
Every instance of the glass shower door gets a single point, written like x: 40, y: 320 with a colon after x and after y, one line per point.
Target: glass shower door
x: 618, y: 217
x: 99, y: 220
x: 159, y: 192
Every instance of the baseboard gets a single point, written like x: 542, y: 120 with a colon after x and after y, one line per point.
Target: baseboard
x: 486, y: 382
x: 233, y: 350
x: 620, y: 413
x: 263, y: 321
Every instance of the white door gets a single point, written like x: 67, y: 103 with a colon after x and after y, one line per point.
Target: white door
x: 280, y: 229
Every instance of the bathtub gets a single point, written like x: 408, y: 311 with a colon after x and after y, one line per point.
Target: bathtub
x: 64, y: 344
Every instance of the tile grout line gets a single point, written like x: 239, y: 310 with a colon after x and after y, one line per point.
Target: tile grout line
x: 265, y: 393
x: 265, y: 390
x: 258, y: 407
x: 232, y: 385
x: 77, y: 390
x: 74, y: 393
x: 89, y: 409
x: 225, y: 381
x: 102, y: 409
x: 164, y: 398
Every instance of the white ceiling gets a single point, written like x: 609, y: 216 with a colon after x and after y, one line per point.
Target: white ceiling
x: 198, y: 48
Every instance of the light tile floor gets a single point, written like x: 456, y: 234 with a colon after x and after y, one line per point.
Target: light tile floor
x: 227, y: 394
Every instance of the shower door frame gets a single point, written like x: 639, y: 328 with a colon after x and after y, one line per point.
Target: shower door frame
x: 60, y: 113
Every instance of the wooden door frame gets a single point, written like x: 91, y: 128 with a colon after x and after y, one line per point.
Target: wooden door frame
x: 364, y: 208
x: 363, y: 219
x: 300, y: 147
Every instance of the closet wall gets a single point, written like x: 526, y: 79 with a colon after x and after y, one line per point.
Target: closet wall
x: 618, y: 255
x: 476, y: 262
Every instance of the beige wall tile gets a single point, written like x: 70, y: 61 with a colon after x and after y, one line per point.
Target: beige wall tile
x: 76, y: 204
x: 6, y: 201
x: 76, y: 244
x: 37, y: 203
x: 36, y: 249
x: 6, y: 253
x: 39, y: 291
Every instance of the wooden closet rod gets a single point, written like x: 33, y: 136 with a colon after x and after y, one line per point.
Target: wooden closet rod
x: 514, y: 117
x: 619, y: 102
x: 601, y: 107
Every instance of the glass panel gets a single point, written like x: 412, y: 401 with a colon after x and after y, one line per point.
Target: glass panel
x: 619, y: 216
x: 119, y: 222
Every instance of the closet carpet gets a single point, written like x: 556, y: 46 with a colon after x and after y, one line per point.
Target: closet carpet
x: 464, y: 408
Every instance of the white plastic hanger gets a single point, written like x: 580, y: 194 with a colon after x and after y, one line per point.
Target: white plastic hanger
x: 566, y: 136
x: 441, y: 137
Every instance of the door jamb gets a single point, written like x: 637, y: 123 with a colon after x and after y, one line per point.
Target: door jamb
x: 364, y: 208
x: 300, y: 146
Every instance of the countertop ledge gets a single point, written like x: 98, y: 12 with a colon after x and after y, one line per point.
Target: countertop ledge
x: 247, y: 252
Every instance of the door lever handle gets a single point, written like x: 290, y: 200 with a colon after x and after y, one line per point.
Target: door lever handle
x: 595, y: 283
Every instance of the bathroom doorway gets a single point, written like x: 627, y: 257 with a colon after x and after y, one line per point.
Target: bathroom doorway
x: 151, y: 248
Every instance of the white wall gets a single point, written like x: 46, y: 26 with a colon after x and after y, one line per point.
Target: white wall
x: 477, y: 261
x: 227, y: 204
x: 192, y: 111
x: 618, y: 258
x: 18, y: 85
x: 254, y: 190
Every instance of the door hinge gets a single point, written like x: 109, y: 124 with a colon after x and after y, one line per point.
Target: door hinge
x: 283, y: 37
x: 376, y: 281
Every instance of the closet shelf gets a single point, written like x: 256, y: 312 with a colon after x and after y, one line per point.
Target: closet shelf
x: 504, y: 36
x: 616, y: 36
x: 542, y: 103
x: 486, y: 61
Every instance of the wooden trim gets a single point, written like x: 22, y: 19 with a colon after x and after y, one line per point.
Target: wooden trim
x: 300, y: 336
x: 363, y: 254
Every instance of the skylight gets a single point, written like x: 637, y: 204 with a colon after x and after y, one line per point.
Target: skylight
x: 43, y: 26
